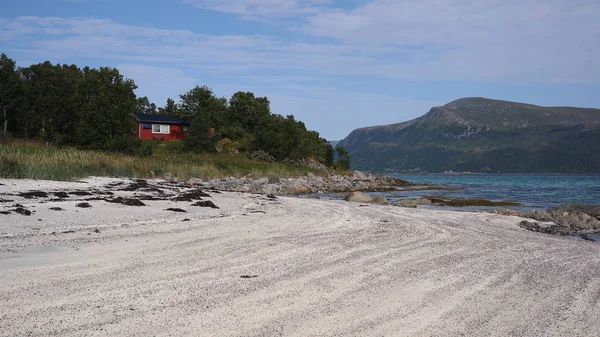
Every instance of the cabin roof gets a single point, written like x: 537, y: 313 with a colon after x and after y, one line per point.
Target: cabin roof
x: 160, y: 119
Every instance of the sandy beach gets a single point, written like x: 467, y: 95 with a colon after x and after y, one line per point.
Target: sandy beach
x: 285, y: 266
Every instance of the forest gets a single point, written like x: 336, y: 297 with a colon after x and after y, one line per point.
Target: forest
x: 89, y: 108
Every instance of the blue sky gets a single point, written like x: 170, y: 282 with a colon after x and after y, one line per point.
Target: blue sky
x: 336, y: 65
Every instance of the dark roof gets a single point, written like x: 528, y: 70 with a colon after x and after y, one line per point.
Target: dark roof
x: 163, y: 119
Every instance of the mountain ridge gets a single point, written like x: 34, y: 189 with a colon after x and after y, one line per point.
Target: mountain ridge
x: 475, y: 133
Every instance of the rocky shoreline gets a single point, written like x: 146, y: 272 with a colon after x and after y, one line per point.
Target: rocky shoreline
x: 358, y: 181
x: 570, y: 219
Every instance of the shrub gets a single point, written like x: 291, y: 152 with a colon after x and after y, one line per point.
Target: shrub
x: 129, y: 145
x: 261, y: 155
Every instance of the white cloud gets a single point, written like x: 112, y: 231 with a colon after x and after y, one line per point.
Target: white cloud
x: 257, y: 9
x: 550, y: 40
x: 551, y: 43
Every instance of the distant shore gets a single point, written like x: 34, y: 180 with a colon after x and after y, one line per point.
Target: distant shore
x: 89, y: 261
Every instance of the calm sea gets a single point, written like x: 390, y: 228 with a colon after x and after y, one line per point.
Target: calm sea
x: 531, y: 190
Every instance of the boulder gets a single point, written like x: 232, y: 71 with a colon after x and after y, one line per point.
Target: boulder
x: 544, y: 227
x: 380, y: 201
x: 299, y: 189
x: 194, y: 181
x: 423, y: 201
x: 539, y: 215
x: 592, y: 210
x: 262, y: 181
x: 407, y: 203
x: 577, y: 221
x: 359, y: 175
x: 271, y: 189
x: 511, y: 212
x: 413, y: 202
x: 358, y: 197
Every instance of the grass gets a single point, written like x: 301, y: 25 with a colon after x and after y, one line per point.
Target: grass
x: 34, y: 160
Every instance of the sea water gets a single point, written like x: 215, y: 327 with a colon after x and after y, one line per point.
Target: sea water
x: 531, y: 190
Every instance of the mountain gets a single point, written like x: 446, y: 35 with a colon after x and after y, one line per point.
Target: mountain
x: 482, y: 135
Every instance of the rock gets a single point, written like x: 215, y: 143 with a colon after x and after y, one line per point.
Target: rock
x: 592, y: 210
x: 413, y: 202
x: 510, y: 212
x: 565, y: 214
x: 359, y: 175
x: 83, y: 205
x: 168, y: 177
x: 423, y: 201
x: 539, y: 215
x: 299, y: 190
x: 194, y: 181
x: 380, y: 201
x: 358, y: 197
x: 577, y: 221
x: 270, y: 189
x: 407, y: 203
x: 262, y: 181
x: 544, y: 227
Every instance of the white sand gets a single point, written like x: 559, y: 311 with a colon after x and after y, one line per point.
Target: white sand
x: 323, y: 268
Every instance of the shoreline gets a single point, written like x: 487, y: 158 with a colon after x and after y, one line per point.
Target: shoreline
x: 261, y: 265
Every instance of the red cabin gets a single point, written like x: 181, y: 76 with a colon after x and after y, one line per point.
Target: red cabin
x: 160, y: 127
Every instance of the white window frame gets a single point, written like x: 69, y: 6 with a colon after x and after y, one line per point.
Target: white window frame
x: 162, y: 129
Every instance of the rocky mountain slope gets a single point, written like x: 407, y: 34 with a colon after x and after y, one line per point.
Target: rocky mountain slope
x: 482, y: 135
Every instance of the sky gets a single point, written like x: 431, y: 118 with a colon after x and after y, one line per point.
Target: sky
x: 336, y: 65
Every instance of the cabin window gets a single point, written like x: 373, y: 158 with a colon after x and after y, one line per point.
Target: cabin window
x: 185, y: 129
x: 147, y: 126
x: 161, y: 128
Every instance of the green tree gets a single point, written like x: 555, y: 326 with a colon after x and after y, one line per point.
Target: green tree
x: 170, y: 108
x: 201, y: 137
x: 201, y: 100
x: 247, y: 110
x: 144, y: 106
x: 328, y: 153
x: 343, y: 161
x: 48, y: 107
x: 207, y: 115
x: 106, y: 100
x: 10, y: 86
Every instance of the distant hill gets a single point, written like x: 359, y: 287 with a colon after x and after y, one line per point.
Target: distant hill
x: 482, y: 135
x: 333, y: 142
